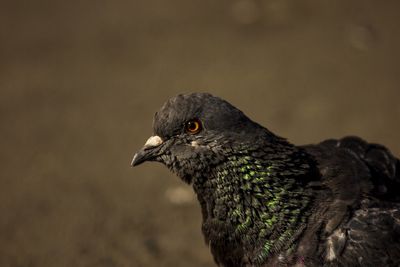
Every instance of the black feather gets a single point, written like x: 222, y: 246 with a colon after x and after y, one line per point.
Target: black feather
x: 266, y: 202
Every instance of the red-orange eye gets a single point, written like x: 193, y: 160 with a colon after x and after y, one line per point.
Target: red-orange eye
x: 193, y: 126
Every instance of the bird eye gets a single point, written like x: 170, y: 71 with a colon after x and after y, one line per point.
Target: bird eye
x: 193, y: 126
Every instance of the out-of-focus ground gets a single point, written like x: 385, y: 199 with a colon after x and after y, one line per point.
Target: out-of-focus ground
x: 80, y: 82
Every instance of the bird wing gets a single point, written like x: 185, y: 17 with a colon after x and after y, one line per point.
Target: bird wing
x: 361, y: 219
x: 384, y: 168
x: 372, y: 237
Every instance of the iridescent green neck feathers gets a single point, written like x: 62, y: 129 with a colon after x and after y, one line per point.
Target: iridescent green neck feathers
x: 261, y: 201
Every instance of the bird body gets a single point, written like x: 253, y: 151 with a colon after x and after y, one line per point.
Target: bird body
x: 266, y: 202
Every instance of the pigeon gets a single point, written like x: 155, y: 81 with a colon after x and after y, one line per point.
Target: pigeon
x: 267, y: 202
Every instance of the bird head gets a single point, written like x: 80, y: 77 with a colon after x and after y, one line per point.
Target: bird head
x: 194, y: 132
x: 250, y: 182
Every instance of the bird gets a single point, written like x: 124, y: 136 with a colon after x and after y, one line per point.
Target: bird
x: 267, y: 202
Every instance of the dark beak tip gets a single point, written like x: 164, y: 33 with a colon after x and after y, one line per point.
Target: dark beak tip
x: 146, y: 153
x: 139, y: 158
x: 134, y: 161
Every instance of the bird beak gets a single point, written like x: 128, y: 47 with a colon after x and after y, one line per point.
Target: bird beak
x: 148, y: 151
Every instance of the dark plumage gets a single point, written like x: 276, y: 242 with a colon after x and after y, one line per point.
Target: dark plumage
x: 266, y: 202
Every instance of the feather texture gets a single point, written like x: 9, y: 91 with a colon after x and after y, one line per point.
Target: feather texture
x: 267, y: 202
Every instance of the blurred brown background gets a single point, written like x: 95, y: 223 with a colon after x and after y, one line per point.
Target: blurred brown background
x: 80, y: 82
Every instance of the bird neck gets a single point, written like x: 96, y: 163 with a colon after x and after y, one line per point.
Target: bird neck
x: 258, y: 199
